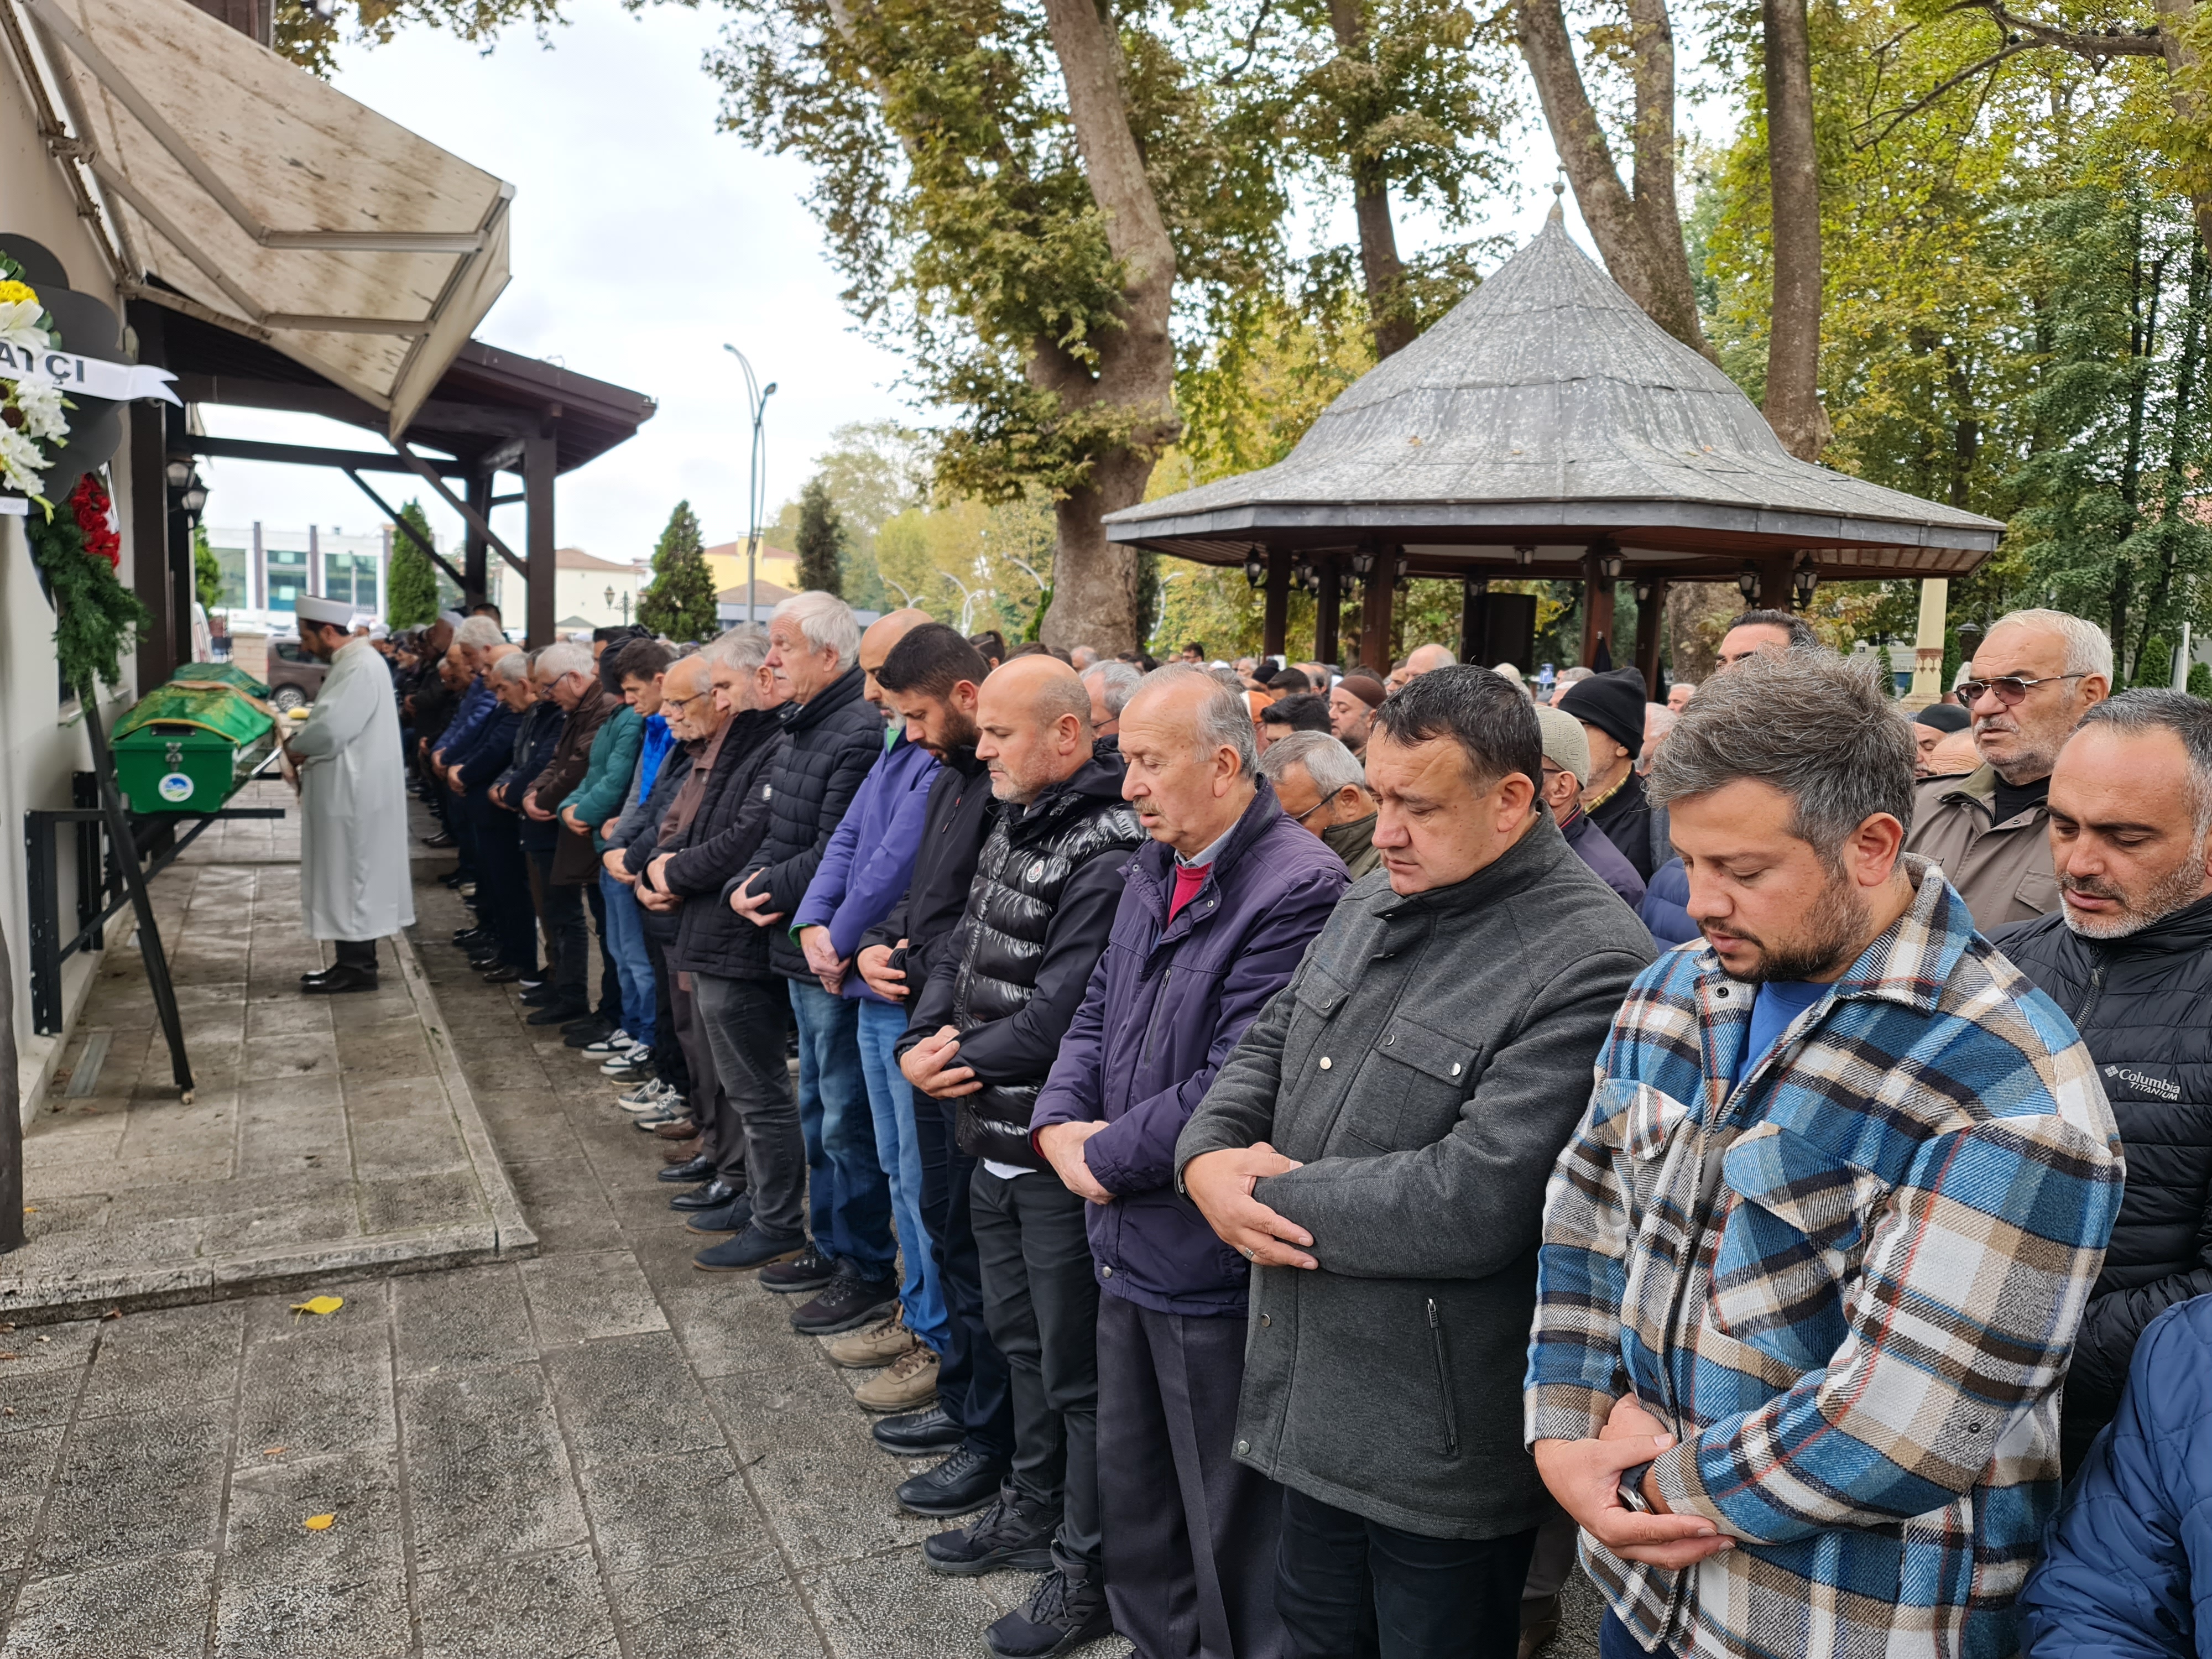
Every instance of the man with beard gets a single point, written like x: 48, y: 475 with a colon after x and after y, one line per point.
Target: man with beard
x: 1813, y: 1263
x: 2034, y: 677
x: 2129, y: 959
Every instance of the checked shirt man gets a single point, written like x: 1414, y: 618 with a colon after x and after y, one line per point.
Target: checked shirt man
x: 1813, y: 1262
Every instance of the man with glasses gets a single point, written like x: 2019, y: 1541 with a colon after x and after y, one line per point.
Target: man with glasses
x: 2037, y: 673
x: 1321, y: 786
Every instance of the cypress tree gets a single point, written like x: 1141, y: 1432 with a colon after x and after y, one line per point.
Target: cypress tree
x: 821, y: 540
x: 411, y: 593
x: 679, y: 600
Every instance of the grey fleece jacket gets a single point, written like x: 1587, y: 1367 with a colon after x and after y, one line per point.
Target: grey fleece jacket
x: 1425, y: 1065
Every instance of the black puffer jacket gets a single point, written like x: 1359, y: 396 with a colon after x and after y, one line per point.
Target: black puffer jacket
x: 723, y: 836
x: 2141, y: 1005
x: 1038, y: 916
x: 833, y: 741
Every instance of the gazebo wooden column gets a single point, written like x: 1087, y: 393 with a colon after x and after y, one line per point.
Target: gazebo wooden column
x: 1328, y: 606
x: 1275, y: 620
x: 1378, y: 591
x: 1597, y: 608
x: 1650, y: 613
x: 1775, y: 571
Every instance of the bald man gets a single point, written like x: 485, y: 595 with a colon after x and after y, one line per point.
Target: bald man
x: 988, y: 1024
x: 863, y: 876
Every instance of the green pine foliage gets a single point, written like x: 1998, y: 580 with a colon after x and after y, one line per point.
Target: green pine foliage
x: 2200, y: 679
x: 207, y: 573
x: 412, y: 595
x: 679, y: 600
x: 821, y: 540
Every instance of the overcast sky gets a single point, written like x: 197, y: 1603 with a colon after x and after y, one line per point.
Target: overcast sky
x: 643, y: 238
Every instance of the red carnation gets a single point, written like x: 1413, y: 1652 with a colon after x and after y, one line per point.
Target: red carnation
x: 89, y: 501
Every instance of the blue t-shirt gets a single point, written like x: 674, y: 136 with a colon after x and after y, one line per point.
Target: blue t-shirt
x: 1779, y: 1002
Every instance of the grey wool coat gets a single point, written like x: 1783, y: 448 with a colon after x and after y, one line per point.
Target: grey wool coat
x: 1427, y: 1064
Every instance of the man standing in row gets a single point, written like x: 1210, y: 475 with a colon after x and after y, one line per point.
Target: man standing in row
x: 1813, y: 1264
x: 1378, y: 1146
x: 986, y: 1029
x: 1214, y: 915
x: 2034, y: 677
x: 355, y: 885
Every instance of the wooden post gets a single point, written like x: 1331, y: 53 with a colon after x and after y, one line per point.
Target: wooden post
x: 1378, y: 592
x: 1775, y: 592
x: 1328, y: 607
x: 148, y: 486
x: 1650, y: 613
x: 1597, y: 610
x: 1475, y: 620
x: 539, y: 460
x: 476, y: 552
x: 1275, y: 620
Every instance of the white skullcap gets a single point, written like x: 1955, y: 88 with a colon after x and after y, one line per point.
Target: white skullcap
x: 309, y: 609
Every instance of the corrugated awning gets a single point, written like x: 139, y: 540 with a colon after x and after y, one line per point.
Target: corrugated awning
x: 234, y: 186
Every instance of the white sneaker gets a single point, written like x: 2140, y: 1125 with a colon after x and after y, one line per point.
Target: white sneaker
x: 638, y: 1060
x: 649, y: 1096
x: 616, y: 1041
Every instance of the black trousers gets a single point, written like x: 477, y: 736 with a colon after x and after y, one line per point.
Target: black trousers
x: 610, y: 1009
x: 971, y: 1372
x: 567, y: 937
x: 1041, y: 1304
x: 706, y: 1099
x: 462, y: 823
x: 354, y: 953
x: 669, y: 1064
x: 744, y: 1020
x: 1348, y: 1586
x: 1190, y: 1566
x: 503, y: 887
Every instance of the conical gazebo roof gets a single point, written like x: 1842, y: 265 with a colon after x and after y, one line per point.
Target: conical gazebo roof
x: 1546, y: 410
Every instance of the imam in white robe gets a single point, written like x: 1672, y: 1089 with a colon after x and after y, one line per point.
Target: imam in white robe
x: 355, y: 878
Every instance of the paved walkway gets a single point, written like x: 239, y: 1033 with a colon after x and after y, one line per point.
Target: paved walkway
x: 325, y: 1134
x: 597, y: 1452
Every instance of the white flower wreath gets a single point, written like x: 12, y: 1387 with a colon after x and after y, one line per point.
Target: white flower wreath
x: 32, y: 413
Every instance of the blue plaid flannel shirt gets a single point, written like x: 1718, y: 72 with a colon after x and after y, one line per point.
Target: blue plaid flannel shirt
x: 1858, y: 1330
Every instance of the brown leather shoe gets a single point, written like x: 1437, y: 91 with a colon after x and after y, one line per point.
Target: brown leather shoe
x: 681, y: 1129
x: 683, y: 1151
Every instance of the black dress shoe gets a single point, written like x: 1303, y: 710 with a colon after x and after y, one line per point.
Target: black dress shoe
x: 484, y: 961
x: 502, y: 974
x: 961, y: 1485
x: 544, y: 996
x: 914, y: 1433
x: 711, y: 1196
x: 441, y: 839
x: 338, y: 981
x: 581, y: 1034
x: 700, y: 1168
x: 552, y: 1014
x: 468, y: 939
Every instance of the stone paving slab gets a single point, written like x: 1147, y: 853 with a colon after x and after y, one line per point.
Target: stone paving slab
x: 597, y: 1453
x: 325, y: 1135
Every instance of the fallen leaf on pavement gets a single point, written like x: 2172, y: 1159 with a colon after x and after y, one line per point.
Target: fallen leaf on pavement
x: 319, y: 1522
x: 321, y: 1304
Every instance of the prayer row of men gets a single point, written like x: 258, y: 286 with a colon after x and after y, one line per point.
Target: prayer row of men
x: 1303, y: 1239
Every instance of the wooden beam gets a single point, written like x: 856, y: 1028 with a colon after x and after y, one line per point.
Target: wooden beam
x: 1275, y: 620
x: 540, y: 463
x: 358, y: 460
x: 406, y: 529
x: 466, y: 509
x: 1650, y: 613
x: 1328, y: 606
x: 1775, y: 571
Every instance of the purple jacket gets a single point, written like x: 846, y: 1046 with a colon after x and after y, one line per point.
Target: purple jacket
x: 1167, y: 1002
x: 871, y: 855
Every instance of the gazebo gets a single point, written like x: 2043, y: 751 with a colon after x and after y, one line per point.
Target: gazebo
x: 1546, y: 427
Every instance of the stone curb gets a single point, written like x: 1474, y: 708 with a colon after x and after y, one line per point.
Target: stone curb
x: 50, y: 1298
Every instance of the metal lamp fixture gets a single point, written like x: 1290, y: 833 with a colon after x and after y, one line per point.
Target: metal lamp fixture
x: 195, y: 498
x: 1970, y: 637
x: 1645, y: 587
x: 1524, y: 556
x: 1802, y: 581
x: 1475, y: 586
x: 1746, y: 581
x: 1306, y: 579
x: 179, y: 472
x: 1362, y: 564
x: 1609, y: 566
x: 1398, y: 572
x: 1255, y: 569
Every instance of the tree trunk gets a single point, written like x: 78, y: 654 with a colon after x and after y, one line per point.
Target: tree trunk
x: 1793, y: 349
x: 1371, y: 204
x: 1094, y: 589
x: 1639, y: 234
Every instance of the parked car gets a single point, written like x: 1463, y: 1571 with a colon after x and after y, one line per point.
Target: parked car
x: 294, y: 677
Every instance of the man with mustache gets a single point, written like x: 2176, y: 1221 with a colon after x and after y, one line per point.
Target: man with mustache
x: 2035, y: 675
x: 2129, y: 959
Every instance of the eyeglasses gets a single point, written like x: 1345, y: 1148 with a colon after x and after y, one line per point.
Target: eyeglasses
x: 2010, y: 689
x: 1299, y: 818
x: 679, y: 704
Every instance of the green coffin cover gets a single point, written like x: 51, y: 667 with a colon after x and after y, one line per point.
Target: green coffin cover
x: 212, y: 708
x: 220, y: 673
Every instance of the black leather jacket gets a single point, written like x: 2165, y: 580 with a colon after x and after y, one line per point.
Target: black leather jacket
x: 1038, y: 916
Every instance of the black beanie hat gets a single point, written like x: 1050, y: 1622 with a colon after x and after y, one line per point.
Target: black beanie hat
x: 1944, y: 717
x: 1612, y: 702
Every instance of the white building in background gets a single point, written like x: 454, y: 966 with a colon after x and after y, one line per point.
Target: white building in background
x: 266, y: 569
x: 588, y: 592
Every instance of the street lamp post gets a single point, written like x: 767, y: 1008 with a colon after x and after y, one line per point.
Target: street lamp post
x: 756, y: 397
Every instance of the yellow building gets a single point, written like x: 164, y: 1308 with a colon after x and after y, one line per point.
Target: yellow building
x: 776, y: 564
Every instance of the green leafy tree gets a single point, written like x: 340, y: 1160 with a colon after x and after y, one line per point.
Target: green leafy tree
x: 412, y: 599
x: 207, y: 573
x: 679, y: 600
x: 821, y: 540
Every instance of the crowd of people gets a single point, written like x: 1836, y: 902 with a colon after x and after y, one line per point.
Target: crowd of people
x: 1311, y: 1154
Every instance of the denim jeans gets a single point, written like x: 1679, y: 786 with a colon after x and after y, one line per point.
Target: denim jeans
x: 898, y: 1148
x: 848, y: 1202
x: 625, y: 938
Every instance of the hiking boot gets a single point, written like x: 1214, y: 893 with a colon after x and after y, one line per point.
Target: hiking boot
x: 909, y: 1381
x: 1067, y: 1609
x: 810, y: 1270
x: 1012, y: 1535
x: 846, y: 1304
x: 873, y: 1344
x: 749, y: 1249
